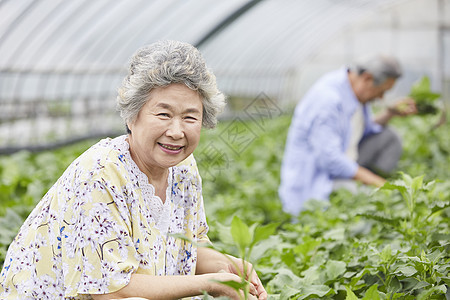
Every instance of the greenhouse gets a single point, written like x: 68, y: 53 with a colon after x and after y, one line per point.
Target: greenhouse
x: 62, y: 64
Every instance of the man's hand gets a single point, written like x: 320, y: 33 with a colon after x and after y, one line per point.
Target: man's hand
x: 403, y: 107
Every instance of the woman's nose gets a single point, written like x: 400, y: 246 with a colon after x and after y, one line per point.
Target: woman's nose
x: 175, y: 130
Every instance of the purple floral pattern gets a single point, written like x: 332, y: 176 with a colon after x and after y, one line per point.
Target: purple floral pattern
x: 100, y: 223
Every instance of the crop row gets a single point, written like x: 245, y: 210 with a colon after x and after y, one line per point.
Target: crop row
x: 378, y: 244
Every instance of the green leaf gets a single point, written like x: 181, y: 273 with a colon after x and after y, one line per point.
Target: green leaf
x: 435, y: 256
x: 264, y: 232
x: 417, y: 183
x: 335, y: 269
x: 440, y: 237
x: 394, y: 285
x: 285, y: 277
x: 350, y: 294
x: 311, y: 290
x: 288, y: 258
x: 429, y: 185
x: 407, y: 178
x: 421, y: 85
x: 439, y: 206
x: 312, y: 275
x: 420, y: 285
x: 288, y: 292
x: 401, y: 187
x: 336, y: 234
x: 233, y: 284
x: 398, y: 187
x: 421, y: 91
x: 386, y: 253
x: 382, y: 219
x: 372, y: 293
x: 206, y: 296
x: 307, y: 245
x: 241, y: 234
x: 407, y: 271
x: 424, y: 97
x: 224, y: 233
x: 440, y: 289
x: 263, y: 248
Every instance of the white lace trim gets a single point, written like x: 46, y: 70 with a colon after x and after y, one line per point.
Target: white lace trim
x: 160, y: 211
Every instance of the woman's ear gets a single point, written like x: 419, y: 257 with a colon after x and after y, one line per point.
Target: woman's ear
x: 129, y: 126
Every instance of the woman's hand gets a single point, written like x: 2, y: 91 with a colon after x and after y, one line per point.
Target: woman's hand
x: 210, y: 262
x: 238, y: 266
x: 217, y: 289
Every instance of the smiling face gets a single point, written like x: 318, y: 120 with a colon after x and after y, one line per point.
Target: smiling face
x: 166, y: 129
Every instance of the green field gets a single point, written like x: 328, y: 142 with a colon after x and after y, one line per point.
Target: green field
x: 392, y: 243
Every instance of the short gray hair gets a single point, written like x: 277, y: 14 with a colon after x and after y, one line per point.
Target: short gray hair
x: 381, y: 67
x: 163, y: 63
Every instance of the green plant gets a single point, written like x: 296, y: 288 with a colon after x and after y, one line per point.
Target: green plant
x: 424, y: 97
x: 244, y: 239
x: 392, y: 243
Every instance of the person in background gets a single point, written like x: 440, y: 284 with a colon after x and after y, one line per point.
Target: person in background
x: 106, y: 229
x: 333, y: 137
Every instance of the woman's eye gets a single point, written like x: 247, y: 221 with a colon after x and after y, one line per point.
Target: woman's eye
x: 163, y: 115
x: 191, y: 118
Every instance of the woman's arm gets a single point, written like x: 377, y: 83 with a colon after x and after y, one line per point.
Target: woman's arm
x: 174, y: 287
x: 212, y: 266
x: 211, y: 261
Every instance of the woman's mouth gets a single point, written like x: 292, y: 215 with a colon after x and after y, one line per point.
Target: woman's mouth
x: 172, y: 149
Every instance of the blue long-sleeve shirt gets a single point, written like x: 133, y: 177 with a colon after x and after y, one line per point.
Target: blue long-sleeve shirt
x: 317, y: 140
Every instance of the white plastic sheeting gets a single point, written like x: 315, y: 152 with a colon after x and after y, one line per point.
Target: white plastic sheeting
x: 62, y: 61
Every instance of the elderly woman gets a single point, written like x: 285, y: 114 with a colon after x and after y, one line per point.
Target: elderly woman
x: 106, y: 229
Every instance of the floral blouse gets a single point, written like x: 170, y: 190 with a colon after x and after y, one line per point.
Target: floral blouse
x: 100, y: 223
